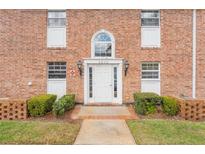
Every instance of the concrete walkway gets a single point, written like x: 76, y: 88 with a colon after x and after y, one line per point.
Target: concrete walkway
x: 104, y: 132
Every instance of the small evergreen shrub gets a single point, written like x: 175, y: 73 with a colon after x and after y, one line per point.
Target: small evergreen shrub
x: 41, y: 104
x: 145, y: 103
x: 170, y: 106
x: 65, y: 103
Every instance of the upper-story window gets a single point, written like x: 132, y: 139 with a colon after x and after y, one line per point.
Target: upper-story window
x: 56, y: 19
x: 150, y: 18
x: 56, y: 33
x: 150, y: 28
x: 103, y: 44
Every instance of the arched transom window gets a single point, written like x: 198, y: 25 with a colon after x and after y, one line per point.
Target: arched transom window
x: 103, y: 44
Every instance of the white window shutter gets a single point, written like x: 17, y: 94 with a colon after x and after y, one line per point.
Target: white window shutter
x: 56, y: 37
x: 150, y: 86
x: 150, y: 37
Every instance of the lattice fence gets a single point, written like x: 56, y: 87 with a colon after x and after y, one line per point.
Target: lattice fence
x: 13, y: 109
x: 192, y: 109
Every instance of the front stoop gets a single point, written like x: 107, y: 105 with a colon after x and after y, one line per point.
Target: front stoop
x: 103, y: 112
x: 104, y: 132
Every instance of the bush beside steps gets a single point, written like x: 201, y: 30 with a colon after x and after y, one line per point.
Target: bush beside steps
x: 170, y: 106
x: 41, y: 104
x: 65, y: 103
x: 146, y: 103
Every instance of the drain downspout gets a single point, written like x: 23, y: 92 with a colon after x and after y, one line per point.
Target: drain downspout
x: 194, y: 55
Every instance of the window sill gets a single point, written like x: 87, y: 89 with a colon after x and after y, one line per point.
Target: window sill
x: 150, y: 79
x: 144, y: 48
x: 56, y: 48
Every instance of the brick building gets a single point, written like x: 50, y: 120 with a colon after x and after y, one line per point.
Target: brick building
x: 102, y: 56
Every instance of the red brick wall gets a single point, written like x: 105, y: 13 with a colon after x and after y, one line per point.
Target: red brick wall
x: 200, y: 93
x: 24, y: 54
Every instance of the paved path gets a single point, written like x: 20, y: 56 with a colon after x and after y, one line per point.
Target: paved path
x: 104, y: 132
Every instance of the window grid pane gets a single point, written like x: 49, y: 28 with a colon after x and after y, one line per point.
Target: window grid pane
x: 150, y: 18
x: 56, y: 14
x: 115, y: 82
x: 103, y: 37
x: 150, y: 14
x: 103, y: 49
x: 150, y: 66
x: 150, y: 75
x: 150, y: 22
x: 150, y: 71
x: 55, y: 22
x: 90, y: 82
x: 57, y: 70
x: 56, y: 19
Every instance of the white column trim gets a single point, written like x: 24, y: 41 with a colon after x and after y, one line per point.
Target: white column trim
x: 194, y: 55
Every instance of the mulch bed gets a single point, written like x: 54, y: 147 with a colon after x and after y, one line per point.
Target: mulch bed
x: 50, y: 117
x: 159, y: 115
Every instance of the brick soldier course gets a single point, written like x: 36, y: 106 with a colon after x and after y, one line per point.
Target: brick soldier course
x: 24, y: 53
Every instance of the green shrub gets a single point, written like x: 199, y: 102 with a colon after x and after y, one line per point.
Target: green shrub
x: 145, y: 103
x: 65, y: 103
x: 41, y: 104
x: 170, y: 106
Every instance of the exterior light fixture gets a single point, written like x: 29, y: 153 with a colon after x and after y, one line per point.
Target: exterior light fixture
x: 126, y: 65
x: 80, y: 65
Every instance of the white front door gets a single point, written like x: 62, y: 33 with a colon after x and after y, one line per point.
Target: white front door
x: 102, y: 83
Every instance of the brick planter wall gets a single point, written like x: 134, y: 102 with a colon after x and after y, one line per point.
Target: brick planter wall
x: 13, y: 109
x: 192, y: 109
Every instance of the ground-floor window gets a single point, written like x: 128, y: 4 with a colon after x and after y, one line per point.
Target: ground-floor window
x: 56, y: 83
x: 56, y: 70
x: 150, y: 70
x: 150, y: 77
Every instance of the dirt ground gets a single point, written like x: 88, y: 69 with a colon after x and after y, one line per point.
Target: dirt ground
x: 50, y: 117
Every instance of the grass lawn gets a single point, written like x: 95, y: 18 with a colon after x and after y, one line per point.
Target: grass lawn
x: 167, y: 131
x: 38, y: 132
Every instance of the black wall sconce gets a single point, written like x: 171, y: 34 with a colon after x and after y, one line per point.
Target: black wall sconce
x: 126, y: 65
x: 80, y: 65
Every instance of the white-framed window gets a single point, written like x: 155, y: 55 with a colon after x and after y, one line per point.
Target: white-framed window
x: 56, y: 70
x: 150, y: 28
x: 150, y: 77
x: 103, y: 45
x: 150, y: 71
x: 56, y: 28
x: 150, y: 18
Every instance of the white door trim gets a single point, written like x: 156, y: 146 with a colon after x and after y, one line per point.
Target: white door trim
x: 88, y: 62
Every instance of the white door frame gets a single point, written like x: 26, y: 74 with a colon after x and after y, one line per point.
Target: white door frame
x: 88, y: 61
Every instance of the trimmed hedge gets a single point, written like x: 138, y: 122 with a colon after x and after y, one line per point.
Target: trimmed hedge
x: 170, y: 106
x: 145, y: 102
x: 65, y: 103
x: 41, y: 104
